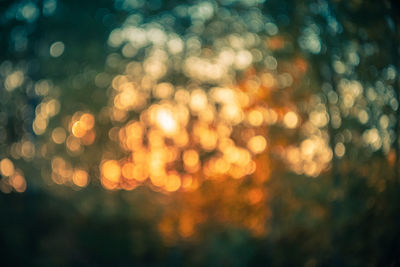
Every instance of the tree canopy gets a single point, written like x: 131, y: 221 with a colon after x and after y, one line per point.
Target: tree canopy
x: 206, y: 133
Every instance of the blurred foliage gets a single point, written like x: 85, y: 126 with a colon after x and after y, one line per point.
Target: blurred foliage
x: 290, y: 112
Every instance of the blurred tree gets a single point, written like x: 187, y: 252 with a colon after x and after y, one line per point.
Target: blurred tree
x: 289, y: 111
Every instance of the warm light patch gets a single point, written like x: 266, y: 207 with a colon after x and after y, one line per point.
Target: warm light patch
x: 173, y: 182
x: 257, y: 144
x: 340, y: 150
x: 190, y: 158
x: 6, y: 167
x: 186, y: 226
x: 58, y: 135
x: 255, y: 118
x: 89, y: 138
x: 127, y: 170
x: 198, y: 100
x: 80, y: 178
x: 290, y: 119
x: 28, y: 150
x: 255, y: 196
x: 82, y: 126
x: 19, y: 183
x: 74, y: 144
x: 111, y: 170
x: 87, y: 121
x: 140, y: 173
x: 166, y: 121
x: 78, y: 130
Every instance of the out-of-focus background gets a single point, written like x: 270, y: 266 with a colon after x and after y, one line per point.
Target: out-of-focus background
x: 199, y: 133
